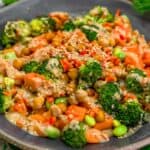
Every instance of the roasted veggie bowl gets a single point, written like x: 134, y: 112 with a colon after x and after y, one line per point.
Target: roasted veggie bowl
x: 82, y: 79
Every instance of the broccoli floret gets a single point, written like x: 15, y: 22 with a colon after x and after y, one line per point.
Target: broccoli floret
x: 31, y: 66
x: 41, y: 25
x: 130, y: 113
x: 5, y: 102
x: 134, y: 85
x: 108, y: 90
x: 6, y: 41
x: 49, y: 22
x: 109, y: 94
x: 69, y: 26
x: 42, y: 70
x: 15, y: 31
x: 74, y: 135
x: 138, y: 71
x: 96, y: 11
x: 133, y: 81
x: 10, y: 55
x: 90, y: 31
x: 90, y: 72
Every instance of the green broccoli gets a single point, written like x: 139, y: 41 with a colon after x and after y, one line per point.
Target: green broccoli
x: 133, y: 81
x: 43, y: 70
x: 130, y: 113
x: 90, y: 31
x: 138, y: 71
x: 5, y: 102
x: 74, y: 135
x: 41, y: 25
x: 31, y: 66
x: 69, y: 26
x: 90, y: 72
x: 6, y: 41
x: 96, y: 11
x: 15, y: 31
x: 109, y: 94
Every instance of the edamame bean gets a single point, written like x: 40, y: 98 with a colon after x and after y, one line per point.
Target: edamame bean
x: 120, y: 130
x: 52, y: 132
x: 61, y: 100
x: 116, y: 123
x: 118, y: 52
x: 90, y: 121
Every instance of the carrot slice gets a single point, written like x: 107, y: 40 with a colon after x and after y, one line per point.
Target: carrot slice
x: 76, y: 112
x: 146, y: 58
x: 93, y: 136
x: 133, y: 59
x: 107, y: 124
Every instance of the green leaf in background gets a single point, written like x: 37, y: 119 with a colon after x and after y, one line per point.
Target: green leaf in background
x: 7, y: 146
x: 142, y: 6
x: 8, y: 2
x: 146, y: 148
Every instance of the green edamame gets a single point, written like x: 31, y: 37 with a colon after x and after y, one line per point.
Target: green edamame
x: 120, y: 130
x: 61, y: 100
x: 90, y: 121
x: 52, y: 132
x: 116, y: 123
x: 118, y: 52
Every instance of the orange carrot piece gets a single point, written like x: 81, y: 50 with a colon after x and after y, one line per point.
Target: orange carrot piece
x: 133, y: 59
x: 93, y: 136
x: 146, y: 58
x: 107, y: 124
x: 76, y: 112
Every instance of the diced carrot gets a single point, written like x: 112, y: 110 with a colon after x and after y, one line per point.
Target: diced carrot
x: 11, y: 92
x: 134, y: 49
x: 20, y: 107
x: 76, y: 112
x: 110, y: 77
x: 33, y: 81
x: 93, y: 136
x: 66, y: 64
x: 83, y: 52
x: 37, y: 117
x: 77, y: 63
x: 52, y: 120
x: 133, y: 59
x: 19, y: 123
x: 118, y: 12
x: 146, y: 58
x: 107, y: 124
x: 93, y: 111
x: 147, y: 70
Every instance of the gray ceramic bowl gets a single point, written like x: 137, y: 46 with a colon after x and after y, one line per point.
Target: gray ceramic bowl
x: 31, y: 8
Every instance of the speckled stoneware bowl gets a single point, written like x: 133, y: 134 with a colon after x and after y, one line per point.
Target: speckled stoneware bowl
x: 31, y: 8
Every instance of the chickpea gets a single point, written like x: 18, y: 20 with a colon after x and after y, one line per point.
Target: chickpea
x: 56, y: 111
x: 38, y: 102
x: 18, y: 63
x: 71, y: 87
x: 62, y: 106
x: 64, y: 77
x: 81, y: 95
x: 25, y: 51
x: 72, y: 100
x: 100, y: 116
x: 73, y: 73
